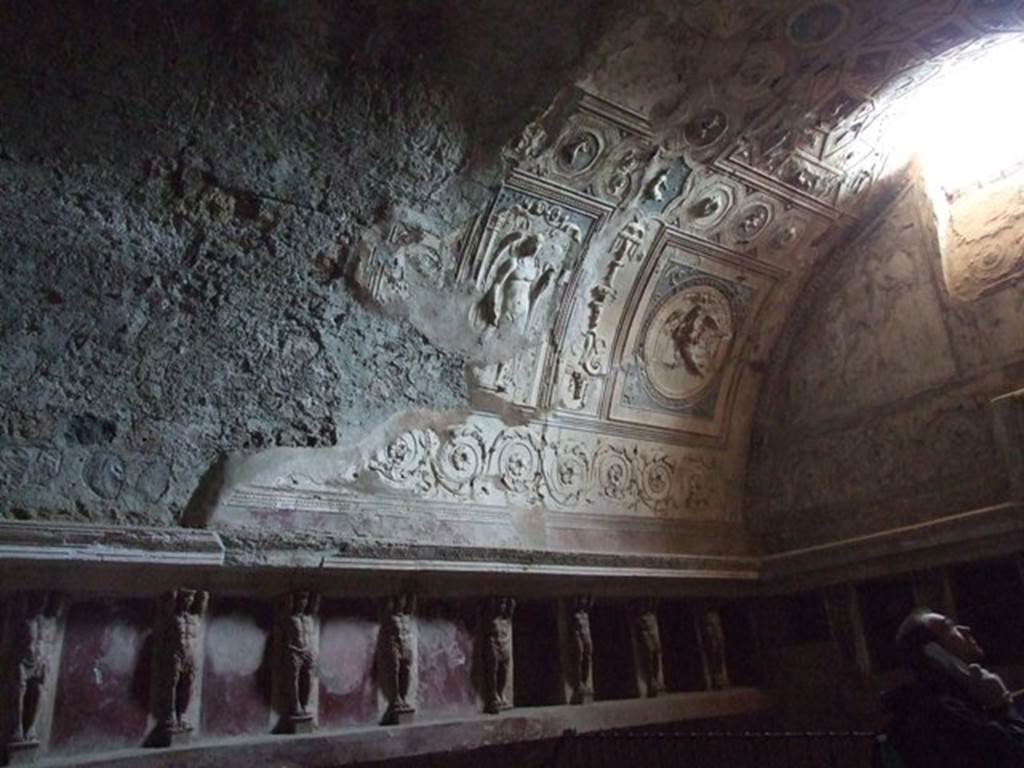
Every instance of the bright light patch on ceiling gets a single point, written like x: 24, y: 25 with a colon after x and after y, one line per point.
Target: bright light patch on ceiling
x: 967, y: 125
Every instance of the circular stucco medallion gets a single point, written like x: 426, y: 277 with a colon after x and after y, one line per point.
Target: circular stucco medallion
x: 580, y: 151
x: 752, y: 222
x: 705, y: 128
x: 687, y: 341
x: 711, y: 206
x: 816, y: 23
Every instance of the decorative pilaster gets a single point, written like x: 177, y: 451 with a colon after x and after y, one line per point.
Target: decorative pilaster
x: 577, y: 649
x: 297, y: 640
x: 177, y: 671
x: 32, y: 645
x: 497, y: 653
x: 398, y: 658
x: 650, y: 681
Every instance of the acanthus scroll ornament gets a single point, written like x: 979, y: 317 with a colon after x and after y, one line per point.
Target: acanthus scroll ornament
x: 615, y: 473
x: 655, y: 482
x: 521, y: 465
x: 405, y: 461
x: 516, y: 461
x: 462, y: 459
x: 566, y: 471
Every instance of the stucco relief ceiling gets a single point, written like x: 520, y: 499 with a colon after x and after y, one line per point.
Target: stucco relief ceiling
x: 623, y: 291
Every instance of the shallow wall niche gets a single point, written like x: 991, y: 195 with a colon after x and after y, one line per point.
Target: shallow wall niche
x: 615, y: 672
x: 538, y: 671
x: 107, y: 662
x: 348, y: 648
x: 236, y: 685
x: 684, y: 664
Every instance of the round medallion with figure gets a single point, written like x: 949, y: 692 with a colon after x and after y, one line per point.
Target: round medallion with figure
x: 817, y: 23
x: 687, y: 341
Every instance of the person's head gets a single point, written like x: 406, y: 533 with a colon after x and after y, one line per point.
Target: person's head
x: 925, y: 626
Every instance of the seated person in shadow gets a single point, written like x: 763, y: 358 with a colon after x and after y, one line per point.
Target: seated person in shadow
x: 956, y: 712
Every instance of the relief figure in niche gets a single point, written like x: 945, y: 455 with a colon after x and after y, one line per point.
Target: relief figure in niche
x: 519, y: 282
x: 178, y: 661
x: 399, y: 649
x: 713, y: 644
x: 649, y: 646
x: 497, y: 653
x: 581, y: 649
x: 302, y: 646
x: 36, y: 619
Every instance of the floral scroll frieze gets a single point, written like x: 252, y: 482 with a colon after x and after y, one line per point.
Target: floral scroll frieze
x: 522, y: 464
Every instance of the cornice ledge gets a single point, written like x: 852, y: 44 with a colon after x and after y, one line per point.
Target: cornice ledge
x: 69, y: 543
x: 90, y: 543
x: 256, y: 548
x: 985, y: 532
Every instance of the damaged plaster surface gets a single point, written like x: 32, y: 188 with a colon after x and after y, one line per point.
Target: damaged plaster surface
x: 185, y: 188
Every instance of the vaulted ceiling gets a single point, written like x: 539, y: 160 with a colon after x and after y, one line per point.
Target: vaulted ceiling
x: 612, y: 232
x: 624, y: 290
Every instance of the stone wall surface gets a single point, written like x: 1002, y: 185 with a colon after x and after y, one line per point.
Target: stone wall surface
x: 184, y: 183
x: 881, y: 414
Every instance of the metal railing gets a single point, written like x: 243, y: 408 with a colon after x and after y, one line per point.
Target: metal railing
x: 761, y: 749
